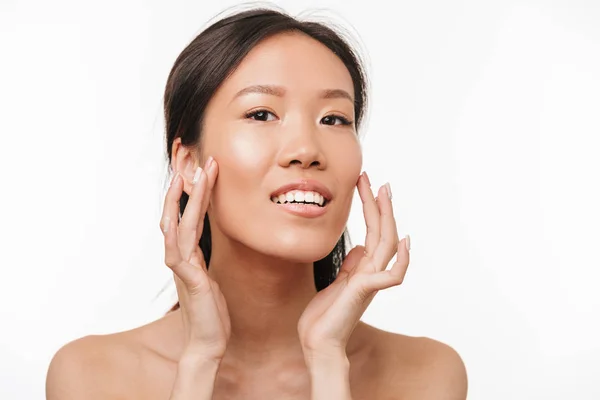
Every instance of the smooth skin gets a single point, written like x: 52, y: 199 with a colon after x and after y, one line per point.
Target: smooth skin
x: 255, y: 314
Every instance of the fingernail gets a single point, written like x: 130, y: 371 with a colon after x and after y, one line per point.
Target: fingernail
x: 407, y: 242
x: 197, y: 176
x: 389, y: 190
x: 366, y: 178
x: 166, y: 222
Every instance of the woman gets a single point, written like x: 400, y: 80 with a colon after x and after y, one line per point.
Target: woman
x: 262, y: 113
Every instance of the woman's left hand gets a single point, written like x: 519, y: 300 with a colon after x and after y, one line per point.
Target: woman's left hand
x: 330, y: 318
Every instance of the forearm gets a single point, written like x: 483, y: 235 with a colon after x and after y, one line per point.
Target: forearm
x: 195, y: 378
x: 330, y: 377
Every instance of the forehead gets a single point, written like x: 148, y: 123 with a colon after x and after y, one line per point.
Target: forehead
x: 294, y: 60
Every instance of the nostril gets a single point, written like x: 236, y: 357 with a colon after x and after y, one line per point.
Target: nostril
x: 312, y: 164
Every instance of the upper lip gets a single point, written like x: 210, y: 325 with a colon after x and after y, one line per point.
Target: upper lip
x: 308, y: 185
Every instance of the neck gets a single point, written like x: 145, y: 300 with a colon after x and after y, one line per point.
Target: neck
x: 265, y: 298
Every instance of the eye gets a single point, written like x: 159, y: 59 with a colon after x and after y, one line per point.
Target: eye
x: 260, y: 115
x: 331, y: 120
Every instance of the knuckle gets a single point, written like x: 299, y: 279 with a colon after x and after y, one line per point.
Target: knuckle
x: 162, y: 224
x: 199, y: 285
x: 170, y: 260
x: 399, y: 279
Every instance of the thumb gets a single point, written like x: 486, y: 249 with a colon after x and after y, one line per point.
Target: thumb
x: 352, y: 259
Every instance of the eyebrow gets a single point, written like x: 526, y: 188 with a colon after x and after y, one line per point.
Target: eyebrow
x: 279, y: 91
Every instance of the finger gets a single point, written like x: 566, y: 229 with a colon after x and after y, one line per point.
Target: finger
x: 371, y: 214
x: 388, y: 239
x: 212, y: 171
x: 352, y: 259
x: 395, y: 275
x: 169, y: 227
x: 188, y: 226
x: 171, y: 205
x: 182, y: 293
x: 197, y: 259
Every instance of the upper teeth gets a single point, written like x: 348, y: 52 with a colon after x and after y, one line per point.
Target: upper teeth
x: 299, y: 196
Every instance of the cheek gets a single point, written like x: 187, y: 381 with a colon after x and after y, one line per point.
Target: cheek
x: 346, y: 161
x: 244, y: 152
x: 353, y: 165
x: 241, y: 164
x: 244, y: 158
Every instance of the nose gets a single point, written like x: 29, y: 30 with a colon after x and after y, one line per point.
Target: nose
x: 301, y: 147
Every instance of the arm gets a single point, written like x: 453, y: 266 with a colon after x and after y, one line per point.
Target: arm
x: 195, y: 378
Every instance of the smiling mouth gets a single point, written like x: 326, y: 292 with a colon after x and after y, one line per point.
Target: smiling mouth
x: 301, y: 197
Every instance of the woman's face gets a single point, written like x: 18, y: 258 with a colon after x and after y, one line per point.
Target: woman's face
x: 278, y: 120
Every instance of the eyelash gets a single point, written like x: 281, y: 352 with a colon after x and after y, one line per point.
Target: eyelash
x: 343, y: 120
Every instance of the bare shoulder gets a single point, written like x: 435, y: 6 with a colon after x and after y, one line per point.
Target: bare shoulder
x: 87, y: 367
x: 138, y: 363
x: 418, y: 368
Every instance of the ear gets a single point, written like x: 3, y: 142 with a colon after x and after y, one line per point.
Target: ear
x: 184, y: 161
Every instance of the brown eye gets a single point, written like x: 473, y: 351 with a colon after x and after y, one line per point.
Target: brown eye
x: 335, y: 120
x: 260, y: 115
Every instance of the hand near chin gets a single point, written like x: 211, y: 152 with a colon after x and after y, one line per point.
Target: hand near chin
x: 203, y: 308
x: 331, y: 316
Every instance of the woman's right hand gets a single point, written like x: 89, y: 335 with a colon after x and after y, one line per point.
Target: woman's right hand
x: 204, y: 311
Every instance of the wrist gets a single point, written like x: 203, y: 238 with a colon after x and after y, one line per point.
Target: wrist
x: 329, y: 375
x: 198, y: 360
x: 328, y: 365
x: 202, y: 353
x: 196, y: 374
x: 332, y: 357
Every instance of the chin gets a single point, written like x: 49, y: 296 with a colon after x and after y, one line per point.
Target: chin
x: 301, y: 248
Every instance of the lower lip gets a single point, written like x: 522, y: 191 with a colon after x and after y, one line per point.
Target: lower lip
x: 302, y: 210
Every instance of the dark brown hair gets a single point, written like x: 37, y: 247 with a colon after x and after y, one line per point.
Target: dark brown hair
x: 210, y: 58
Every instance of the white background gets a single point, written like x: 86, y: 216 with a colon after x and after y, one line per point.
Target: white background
x: 484, y: 118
